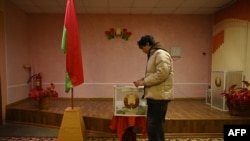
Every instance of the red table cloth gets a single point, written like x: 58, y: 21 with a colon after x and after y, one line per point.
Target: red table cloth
x: 121, y: 123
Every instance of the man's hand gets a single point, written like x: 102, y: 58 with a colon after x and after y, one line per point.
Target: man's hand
x: 139, y: 83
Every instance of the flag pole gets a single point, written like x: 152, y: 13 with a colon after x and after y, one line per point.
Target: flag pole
x: 74, y: 77
x: 72, y: 96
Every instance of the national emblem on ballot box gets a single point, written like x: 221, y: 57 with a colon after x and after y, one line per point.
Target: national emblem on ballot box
x: 128, y: 101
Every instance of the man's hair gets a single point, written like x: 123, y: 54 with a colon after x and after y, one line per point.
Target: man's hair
x: 146, y: 40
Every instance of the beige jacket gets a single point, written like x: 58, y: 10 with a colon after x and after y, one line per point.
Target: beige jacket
x: 158, y: 81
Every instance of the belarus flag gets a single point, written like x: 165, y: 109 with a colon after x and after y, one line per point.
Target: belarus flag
x: 71, y: 47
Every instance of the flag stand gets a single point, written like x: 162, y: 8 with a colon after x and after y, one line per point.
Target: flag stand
x: 72, y: 127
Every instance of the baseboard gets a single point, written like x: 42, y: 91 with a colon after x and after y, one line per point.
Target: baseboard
x: 104, y: 99
x: 190, y: 98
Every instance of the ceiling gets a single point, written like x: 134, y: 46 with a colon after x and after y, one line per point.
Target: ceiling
x: 125, y: 6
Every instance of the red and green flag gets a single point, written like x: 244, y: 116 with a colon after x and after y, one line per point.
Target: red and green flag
x: 71, y: 47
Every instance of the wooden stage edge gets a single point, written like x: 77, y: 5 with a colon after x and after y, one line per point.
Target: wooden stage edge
x: 186, y: 117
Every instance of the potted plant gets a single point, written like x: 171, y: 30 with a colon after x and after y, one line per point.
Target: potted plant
x: 43, y: 96
x: 238, y: 99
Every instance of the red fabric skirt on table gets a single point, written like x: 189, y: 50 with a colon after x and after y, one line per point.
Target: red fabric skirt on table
x: 121, y: 123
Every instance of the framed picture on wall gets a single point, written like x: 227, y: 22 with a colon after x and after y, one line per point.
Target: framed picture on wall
x: 128, y: 101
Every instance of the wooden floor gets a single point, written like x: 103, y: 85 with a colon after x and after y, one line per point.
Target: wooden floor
x: 183, y: 117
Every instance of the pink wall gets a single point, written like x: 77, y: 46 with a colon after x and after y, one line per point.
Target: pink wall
x: 110, y: 62
x: 17, y: 53
x: 35, y: 40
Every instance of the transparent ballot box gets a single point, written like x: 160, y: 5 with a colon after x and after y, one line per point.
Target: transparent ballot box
x: 128, y: 101
x: 221, y: 81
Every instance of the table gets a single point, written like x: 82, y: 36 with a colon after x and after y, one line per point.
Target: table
x: 121, y: 123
